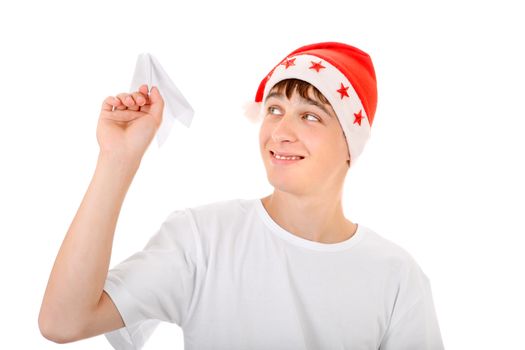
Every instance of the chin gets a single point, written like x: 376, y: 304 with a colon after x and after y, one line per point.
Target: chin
x: 287, y: 184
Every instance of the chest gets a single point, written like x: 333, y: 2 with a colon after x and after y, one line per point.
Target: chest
x: 271, y: 298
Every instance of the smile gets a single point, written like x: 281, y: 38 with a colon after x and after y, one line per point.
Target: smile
x: 277, y: 159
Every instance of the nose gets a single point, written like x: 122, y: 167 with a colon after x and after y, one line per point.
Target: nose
x: 284, y: 129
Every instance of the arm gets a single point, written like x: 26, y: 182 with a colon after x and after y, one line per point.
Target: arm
x: 74, y: 306
x: 414, y: 323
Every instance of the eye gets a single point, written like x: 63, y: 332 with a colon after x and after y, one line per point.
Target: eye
x: 312, y: 115
x: 271, y: 109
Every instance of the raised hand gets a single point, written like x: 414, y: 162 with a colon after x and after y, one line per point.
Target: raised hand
x: 128, y: 122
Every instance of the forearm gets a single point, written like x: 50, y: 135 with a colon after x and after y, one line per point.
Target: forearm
x: 78, y: 275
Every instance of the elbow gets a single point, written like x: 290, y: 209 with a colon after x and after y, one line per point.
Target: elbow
x: 56, y: 331
x: 51, y: 333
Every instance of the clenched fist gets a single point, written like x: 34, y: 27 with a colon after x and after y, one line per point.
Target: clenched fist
x: 129, y: 121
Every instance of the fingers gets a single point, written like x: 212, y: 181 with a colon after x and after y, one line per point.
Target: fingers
x: 144, y: 89
x: 124, y: 101
x: 122, y: 116
x: 140, y: 99
x: 131, y: 101
x: 109, y: 103
x: 128, y: 101
x: 157, y: 103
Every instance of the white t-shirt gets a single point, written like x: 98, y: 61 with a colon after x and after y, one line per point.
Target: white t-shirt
x: 232, y: 278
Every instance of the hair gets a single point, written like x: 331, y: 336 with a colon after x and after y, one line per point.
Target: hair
x: 302, y: 87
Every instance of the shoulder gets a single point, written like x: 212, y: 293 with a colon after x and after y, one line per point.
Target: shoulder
x: 211, y: 219
x: 188, y: 229
x: 392, y: 257
x: 219, y: 208
x: 209, y: 212
x: 381, y: 247
x: 400, y: 275
x: 181, y: 226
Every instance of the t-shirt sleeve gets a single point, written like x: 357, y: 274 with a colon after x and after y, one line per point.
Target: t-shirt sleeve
x: 414, y: 324
x: 155, y: 284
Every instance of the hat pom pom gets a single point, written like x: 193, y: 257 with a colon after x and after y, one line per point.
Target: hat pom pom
x: 252, y: 111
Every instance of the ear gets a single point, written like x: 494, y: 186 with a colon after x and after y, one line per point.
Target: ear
x: 252, y: 111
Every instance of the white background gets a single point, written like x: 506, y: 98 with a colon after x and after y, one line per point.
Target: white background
x: 441, y: 175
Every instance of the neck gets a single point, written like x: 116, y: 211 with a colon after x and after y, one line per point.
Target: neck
x: 315, y: 218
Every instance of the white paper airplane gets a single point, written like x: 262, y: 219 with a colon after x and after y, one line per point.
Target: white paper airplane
x: 149, y: 71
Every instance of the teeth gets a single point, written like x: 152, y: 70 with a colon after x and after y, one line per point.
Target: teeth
x: 286, y: 158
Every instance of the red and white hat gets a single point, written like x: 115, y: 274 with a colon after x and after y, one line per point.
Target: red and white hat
x: 343, y: 74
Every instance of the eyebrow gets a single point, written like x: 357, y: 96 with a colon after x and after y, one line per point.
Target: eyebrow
x: 306, y: 100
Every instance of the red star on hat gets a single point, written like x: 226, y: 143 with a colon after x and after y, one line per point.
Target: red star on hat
x: 289, y: 62
x: 317, y: 66
x: 358, y: 117
x: 343, y: 91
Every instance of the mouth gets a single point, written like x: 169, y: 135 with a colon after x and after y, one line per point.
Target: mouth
x: 277, y: 159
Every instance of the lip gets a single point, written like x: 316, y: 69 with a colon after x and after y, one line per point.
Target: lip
x: 286, y: 154
x: 283, y: 161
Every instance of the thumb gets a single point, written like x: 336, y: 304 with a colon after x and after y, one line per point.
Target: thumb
x: 157, y: 103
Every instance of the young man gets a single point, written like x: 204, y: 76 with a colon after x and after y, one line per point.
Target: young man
x: 287, y: 271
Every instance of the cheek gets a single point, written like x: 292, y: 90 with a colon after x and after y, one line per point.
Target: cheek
x: 338, y: 149
x: 326, y: 149
x: 264, y: 133
x: 263, y: 138
x: 314, y: 140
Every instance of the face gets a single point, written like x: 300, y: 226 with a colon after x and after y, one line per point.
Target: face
x: 308, y: 128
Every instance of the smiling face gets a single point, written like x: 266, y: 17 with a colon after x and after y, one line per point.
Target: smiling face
x: 298, y: 120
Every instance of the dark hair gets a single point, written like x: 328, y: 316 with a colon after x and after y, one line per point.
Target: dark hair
x: 302, y: 87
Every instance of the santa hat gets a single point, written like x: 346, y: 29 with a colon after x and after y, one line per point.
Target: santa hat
x: 343, y: 74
